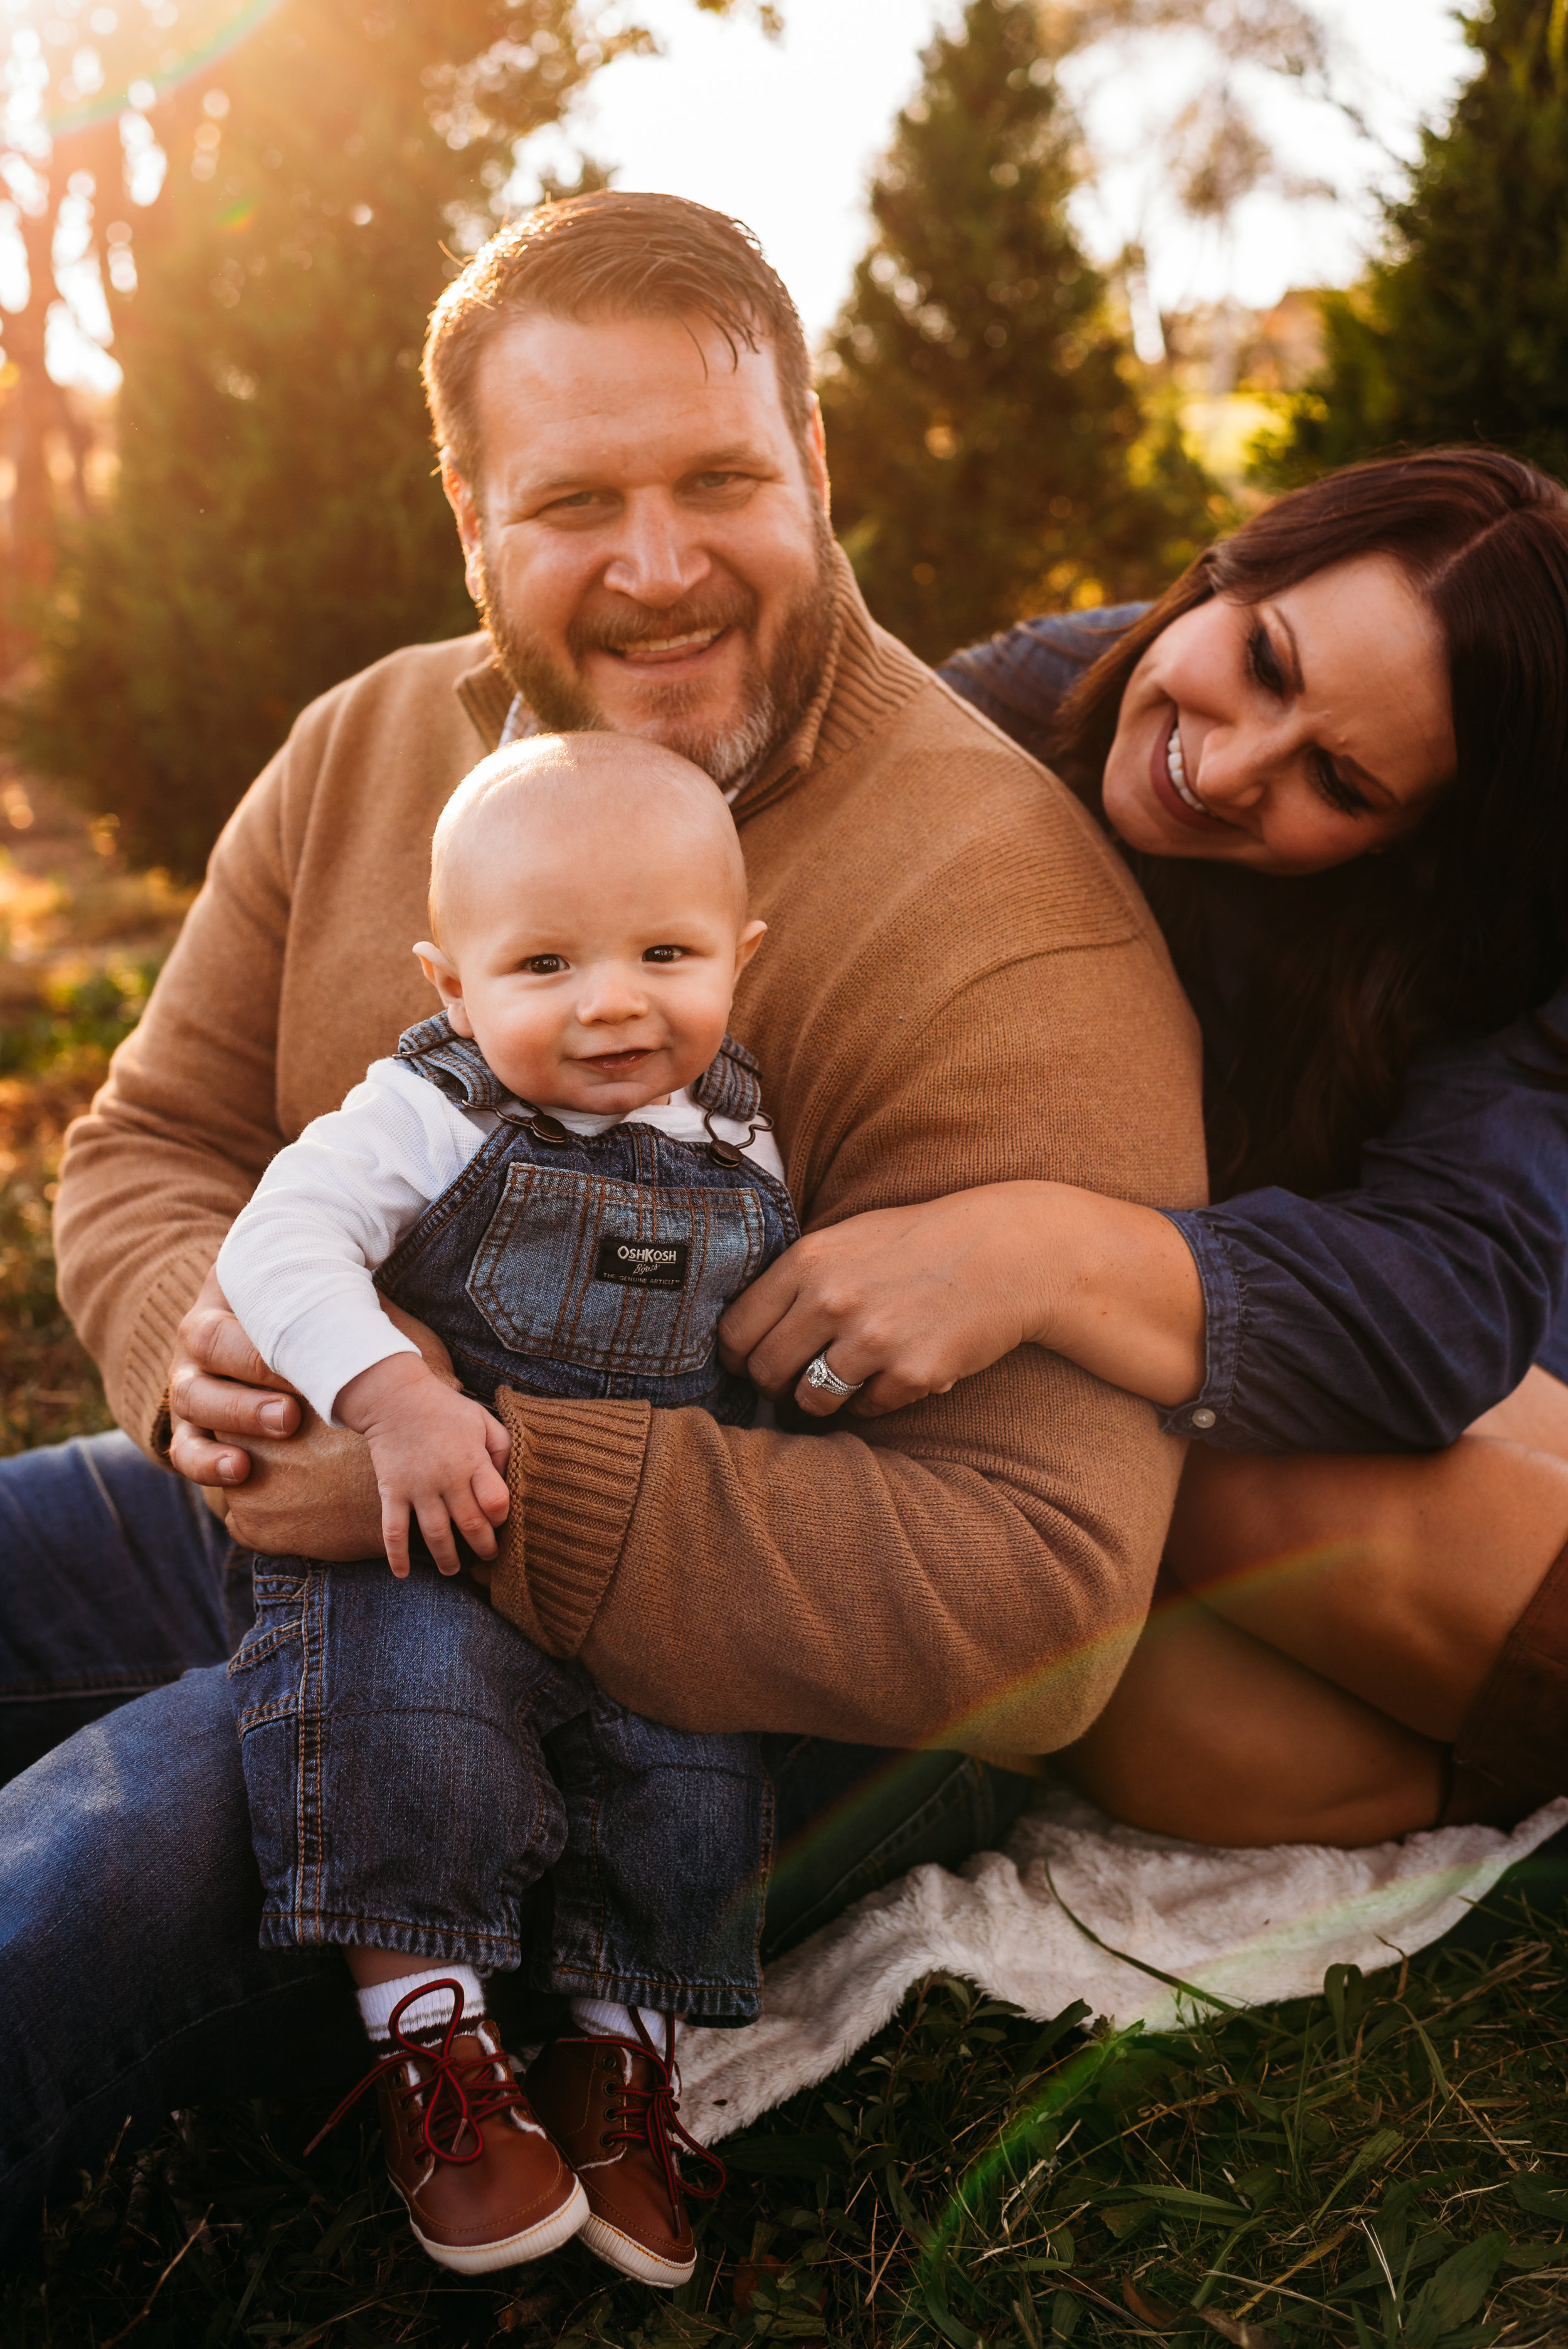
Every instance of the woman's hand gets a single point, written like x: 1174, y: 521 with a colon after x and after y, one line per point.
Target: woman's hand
x: 908, y: 1300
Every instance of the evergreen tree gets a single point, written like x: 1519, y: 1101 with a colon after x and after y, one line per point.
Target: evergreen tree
x: 988, y: 450
x: 1460, y: 332
x: 278, y: 522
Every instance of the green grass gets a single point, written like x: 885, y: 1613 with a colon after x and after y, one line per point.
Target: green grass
x: 1385, y: 2164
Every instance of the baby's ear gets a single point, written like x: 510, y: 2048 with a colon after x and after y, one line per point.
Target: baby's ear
x: 444, y: 976
x: 747, y: 944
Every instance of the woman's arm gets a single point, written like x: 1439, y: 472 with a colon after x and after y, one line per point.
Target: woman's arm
x: 912, y: 1299
x: 1390, y: 1317
x: 1384, y: 1319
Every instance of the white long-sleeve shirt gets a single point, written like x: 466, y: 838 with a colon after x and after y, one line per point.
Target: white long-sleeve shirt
x: 298, y: 1264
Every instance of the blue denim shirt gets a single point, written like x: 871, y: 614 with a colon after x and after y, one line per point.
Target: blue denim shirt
x: 588, y: 1265
x: 1389, y: 1316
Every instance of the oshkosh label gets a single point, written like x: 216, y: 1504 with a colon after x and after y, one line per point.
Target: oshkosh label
x: 643, y: 1263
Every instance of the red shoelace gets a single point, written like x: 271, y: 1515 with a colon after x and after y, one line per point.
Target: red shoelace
x: 462, y: 2090
x: 651, y: 2117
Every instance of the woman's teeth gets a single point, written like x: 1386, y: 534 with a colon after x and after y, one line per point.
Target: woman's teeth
x: 1176, y: 768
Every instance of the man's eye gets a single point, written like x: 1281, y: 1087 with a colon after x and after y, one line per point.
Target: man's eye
x: 544, y: 966
x: 663, y: 954
x: 718, y: 480
x: 1262, y: 662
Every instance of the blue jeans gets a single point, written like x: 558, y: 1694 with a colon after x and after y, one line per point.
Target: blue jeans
x: 132, y: 1977
x: 423, y: 1778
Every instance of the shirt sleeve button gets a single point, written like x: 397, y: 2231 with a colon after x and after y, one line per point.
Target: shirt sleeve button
x: 1205, y: 1418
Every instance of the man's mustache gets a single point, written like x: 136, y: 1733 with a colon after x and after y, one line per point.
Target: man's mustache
x: 617, y: 631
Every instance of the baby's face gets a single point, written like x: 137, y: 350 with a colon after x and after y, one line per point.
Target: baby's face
x: 594, y: 972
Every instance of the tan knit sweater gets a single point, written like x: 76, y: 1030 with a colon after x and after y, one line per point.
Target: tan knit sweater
x: 959, y: 985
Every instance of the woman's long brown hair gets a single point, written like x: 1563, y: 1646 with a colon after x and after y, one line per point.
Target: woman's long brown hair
x: 1458, y: 929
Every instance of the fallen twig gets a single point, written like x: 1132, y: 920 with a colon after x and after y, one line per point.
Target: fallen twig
x: 145, y: 2311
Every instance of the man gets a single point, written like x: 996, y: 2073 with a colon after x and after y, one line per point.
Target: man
x: 959, y: 985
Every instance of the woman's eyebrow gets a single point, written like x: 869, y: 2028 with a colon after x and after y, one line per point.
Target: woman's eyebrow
x: 1341, y: 758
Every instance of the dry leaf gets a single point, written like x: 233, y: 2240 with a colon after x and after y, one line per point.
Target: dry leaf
x: 1153, y: 2313
x: 1234, y: 2329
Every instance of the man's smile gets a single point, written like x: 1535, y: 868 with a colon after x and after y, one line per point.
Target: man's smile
x: 662, y: 649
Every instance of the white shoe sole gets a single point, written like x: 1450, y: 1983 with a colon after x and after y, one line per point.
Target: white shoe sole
x: 634, y: 2259
x: 512, y: 2251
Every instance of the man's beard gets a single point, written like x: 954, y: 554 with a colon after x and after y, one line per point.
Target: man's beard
x: 775, y: 696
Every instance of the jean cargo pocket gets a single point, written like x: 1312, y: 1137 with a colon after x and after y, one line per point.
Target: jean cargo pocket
x: 266, y: 1668
x: 614, y: 1276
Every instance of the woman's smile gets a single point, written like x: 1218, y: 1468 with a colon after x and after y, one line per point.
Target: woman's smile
x: 1168, y: 779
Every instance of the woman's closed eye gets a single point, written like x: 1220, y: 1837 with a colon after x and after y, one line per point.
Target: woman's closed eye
x: 1264, y: 666
x: 1332, y: 786
x: 1262, y: 661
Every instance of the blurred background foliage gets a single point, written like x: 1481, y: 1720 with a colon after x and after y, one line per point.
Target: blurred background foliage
x: 993, y: 448
x: 1460, y: 330
x: 276, y: 524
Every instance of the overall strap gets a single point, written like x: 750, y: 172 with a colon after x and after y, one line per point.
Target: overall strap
x: 453, y: 1063
x: 729, y: 1086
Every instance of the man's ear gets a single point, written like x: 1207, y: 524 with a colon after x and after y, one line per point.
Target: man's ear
x: 817, y: 457
x: 465, y: 506
x: 747, y: 944
x: 444, y: 976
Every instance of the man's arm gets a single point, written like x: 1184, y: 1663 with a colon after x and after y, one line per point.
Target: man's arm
x: 174, y: 1143
x: 971, y: 1571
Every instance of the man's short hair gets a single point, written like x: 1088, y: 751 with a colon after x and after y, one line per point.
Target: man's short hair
x: 608, y: 255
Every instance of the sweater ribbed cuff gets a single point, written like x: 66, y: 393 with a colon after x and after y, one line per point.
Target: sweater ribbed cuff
x: 139, y: 1395
x: 574, y: 1477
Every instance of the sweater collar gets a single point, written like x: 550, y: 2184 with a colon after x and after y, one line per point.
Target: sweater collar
x: 866, y: 676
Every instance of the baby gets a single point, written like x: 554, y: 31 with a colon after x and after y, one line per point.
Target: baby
x: 566, y: 1175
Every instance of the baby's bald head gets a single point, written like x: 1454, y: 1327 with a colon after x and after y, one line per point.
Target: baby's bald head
x: 601, y: 795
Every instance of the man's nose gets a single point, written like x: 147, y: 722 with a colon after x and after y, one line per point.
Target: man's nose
x: 659, y: 556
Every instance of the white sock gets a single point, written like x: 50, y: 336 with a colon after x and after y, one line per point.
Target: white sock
x: 432, y: 2013
x: 602, y: 2020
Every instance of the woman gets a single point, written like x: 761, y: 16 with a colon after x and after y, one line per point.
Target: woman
x: 1335, y: 755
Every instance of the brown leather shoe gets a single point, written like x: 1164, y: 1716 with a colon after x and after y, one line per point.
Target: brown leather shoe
x: 484, y: 2186
x: 610, y: 2107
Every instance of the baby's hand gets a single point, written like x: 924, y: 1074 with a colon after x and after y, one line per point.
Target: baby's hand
x: 438, y: 1451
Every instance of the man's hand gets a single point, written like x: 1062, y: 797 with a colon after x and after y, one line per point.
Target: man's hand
x: 438, y: 1453
x: 219, y: 1388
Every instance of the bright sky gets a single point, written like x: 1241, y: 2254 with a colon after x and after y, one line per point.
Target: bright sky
x: 785, y: 135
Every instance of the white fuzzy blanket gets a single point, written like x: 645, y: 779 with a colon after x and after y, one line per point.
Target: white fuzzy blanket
x: 1253, y: 1926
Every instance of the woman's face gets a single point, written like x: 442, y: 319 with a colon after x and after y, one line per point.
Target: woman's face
x: 1289, y: 735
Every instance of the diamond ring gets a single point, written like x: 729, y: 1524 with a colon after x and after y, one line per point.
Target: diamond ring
x: 817, y: 1375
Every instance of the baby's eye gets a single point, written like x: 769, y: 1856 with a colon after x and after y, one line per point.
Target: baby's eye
x: 663, y: 954
x: 544, y: 966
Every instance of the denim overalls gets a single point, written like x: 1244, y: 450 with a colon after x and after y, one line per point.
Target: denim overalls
x: 414, y: 1763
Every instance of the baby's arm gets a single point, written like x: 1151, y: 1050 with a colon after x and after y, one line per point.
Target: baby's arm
x: 438, y: 1453
x: 298, y: 1270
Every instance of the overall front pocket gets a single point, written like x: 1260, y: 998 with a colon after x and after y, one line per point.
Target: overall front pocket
x: 616, y: 1277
